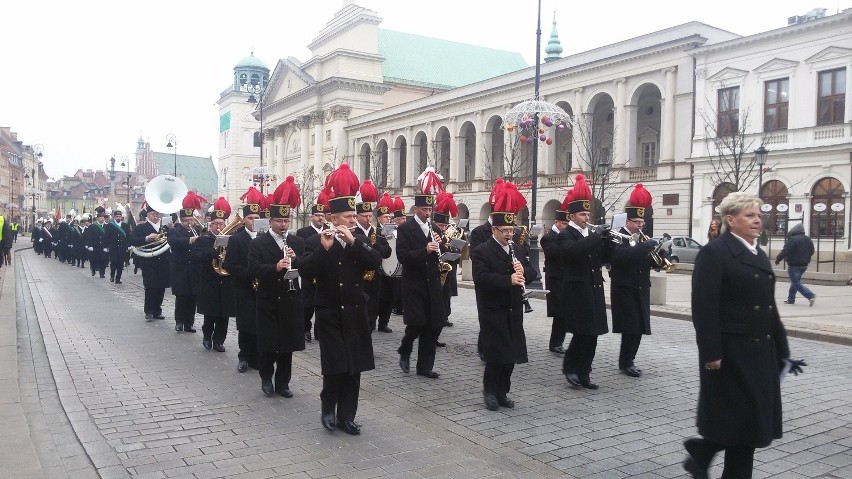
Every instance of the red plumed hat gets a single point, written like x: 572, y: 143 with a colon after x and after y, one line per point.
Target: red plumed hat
x: 285, y: 198
x: 251, y: 199
x: 582, y: 196
x: 221, y: 209
x: 342, y: 185
x: 639, y: 204
x: 321, y: 205
x: 191, y: 202
x: 445, y: 208
x: 507, y: 202
x: 398, y: 208
x: 430, y: 185
x: 367, y: 195
x: 562, y: 212
x: 498, y: 185
x: 385, y: 205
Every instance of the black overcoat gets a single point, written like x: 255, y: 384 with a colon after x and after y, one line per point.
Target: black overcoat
x: 216, y: 294
x: 117, y: 239
x: 422, y: 295
x: 185, y: 276
x: 237, y: 264
x: 341, y: 304
x: 373, y: 286
x: 479, y: 235
x: 156, y: 270
x: 582, y: 259
x: 556, y: 302
x: 630, y: 288
x: 93, y: 238
x: 499, y: 303
x: 736, y: 320
x: 307, y: 282
x: 35, y: 237
x: 280, y: 320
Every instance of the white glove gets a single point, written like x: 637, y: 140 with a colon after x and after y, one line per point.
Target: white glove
x: 90, y: 248
x: 106, y: 250
x: 40, y: 240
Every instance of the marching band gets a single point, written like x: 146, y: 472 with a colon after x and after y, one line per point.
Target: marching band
x: 359, y: 260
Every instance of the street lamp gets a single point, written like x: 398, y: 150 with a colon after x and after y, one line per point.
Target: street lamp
x: 760, y: 155
x: 253, y: 89
x: 603, y: 168
x: 125, y: 163
x: 172, y: 143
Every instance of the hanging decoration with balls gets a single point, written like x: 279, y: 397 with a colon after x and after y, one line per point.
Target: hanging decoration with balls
x: 521, y: 120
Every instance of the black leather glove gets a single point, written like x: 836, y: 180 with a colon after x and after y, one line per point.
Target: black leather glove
x: 777, y: 261
x: 795, y: 365
x: 650, y: 244
x: 664, y: 253
x: 604, y: 231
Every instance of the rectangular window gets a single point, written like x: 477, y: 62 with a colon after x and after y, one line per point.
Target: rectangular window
x: 728, y: 108
x: 831, y: 98
x: 776, y: 98
x: 649, y: 154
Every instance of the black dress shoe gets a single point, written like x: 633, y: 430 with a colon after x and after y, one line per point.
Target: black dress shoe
x: 179, y: 327
x: 448, y: 324
x: 505, y: 402
x: 112, y: 279
x: 573, y: 379
x: 118, y: 281
x: 632, y: 371
x: 207, y: 344
x: 93, y: 274
x: 385, y: 329
x: 404, y: 364
x: 149, y: 317
x: 189, y: 329
x: 491, y: 402
x: 103, y: 276
x: 557, y: 349
x: 692, y: 467
x: 308, y: 336
x: 267, y: 387
x: 242, y: 366
x: 284, y: 392
x: 159, y: 316
x: 328, y: 421
x: 440, y: 344
x: 219, y: 347
x: 588, y: 384
x: 349, y: 427
x: 429, y: 374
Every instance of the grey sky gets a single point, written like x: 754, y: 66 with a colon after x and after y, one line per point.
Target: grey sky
x: 85, y: 78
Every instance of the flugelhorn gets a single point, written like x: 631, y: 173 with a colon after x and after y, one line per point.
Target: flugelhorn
x: 617, y: 237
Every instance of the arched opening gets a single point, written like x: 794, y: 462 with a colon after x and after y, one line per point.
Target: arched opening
x: 563, y: 143
x: 596, y: 131
x: 463, y: 211
x: 719, y: 193
x: 380, y: 174
x: 523, y: 216
x: 548, y: 215
x: 468, y: 132
x: 645, y: 126
x: 365, y: 163
x: 495, y: 149
x: 441, y: 153
x: 421, y: 147
x: 484, y: 212
x: 400, y: 150
x: 774, y: 193
x: 827, y: 191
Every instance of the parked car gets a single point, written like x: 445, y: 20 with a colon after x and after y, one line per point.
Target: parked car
x: 682, y: 249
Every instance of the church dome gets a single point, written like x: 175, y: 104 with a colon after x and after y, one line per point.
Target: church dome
x: 251, y: 61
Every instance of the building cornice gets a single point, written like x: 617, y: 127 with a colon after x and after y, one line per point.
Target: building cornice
x: 343, y: 20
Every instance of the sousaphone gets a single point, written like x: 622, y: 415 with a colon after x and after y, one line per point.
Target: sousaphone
x: 164, y: 194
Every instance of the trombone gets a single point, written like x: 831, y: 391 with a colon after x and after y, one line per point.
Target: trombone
x: 662, y: 262
x: 617, y: 237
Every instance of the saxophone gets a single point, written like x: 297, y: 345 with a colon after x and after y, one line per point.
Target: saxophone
x: 371, y: 275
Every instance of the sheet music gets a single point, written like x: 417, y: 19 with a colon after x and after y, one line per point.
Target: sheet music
x: 221, y: 241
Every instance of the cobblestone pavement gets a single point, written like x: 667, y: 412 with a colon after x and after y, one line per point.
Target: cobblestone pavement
x: 145, y: 401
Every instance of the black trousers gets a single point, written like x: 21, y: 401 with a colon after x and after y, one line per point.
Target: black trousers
x: 580, y: 354
x: 340, y: 393
x: 497, y: 379
x: 396, y: 290
x: 739, y: 460
x: 557, y: 332
x: 279, y: 362
x: 308, y: 292
x: 248, y: 348
x: 185, y: 309
x: 215, y: 328
x: 154, y: 300
x: 425, y: 347
x: 385, y: 299
x: 116, y: 267
x: 629, y: 348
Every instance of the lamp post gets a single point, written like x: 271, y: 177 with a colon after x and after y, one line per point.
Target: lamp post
x: 760, y: 155
x: 125, y: 163
x: 603, y: 169
x: 172, y: 143
x: 257, y: 89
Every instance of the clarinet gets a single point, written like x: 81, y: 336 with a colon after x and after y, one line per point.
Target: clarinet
x: 515, y: 260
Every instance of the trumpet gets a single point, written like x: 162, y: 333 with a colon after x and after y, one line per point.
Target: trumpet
x: 662, y: 263
x: 617, y: 237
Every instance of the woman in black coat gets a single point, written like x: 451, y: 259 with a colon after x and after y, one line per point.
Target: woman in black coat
x: 741, y: 343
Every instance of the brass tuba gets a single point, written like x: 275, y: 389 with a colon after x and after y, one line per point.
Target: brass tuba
x: 163, y: 194
x: 219, y: 261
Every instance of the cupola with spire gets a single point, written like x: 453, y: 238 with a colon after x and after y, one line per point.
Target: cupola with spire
x: 554, y: 46
x: 250, y: 70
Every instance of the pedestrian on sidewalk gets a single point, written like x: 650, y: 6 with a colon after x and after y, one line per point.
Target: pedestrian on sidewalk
x: 798, y: 252
x: 742, y: 345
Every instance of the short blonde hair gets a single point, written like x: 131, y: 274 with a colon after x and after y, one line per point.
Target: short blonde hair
x: 736, y: 202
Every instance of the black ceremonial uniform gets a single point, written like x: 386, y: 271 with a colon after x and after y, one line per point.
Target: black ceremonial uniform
x: 35, y: 236
x: 556, y: 302
x: 280, y: 326
x: 582, y: 259
x: 422, y: 296
x: 480, y: 234
x: 501, y: 314
x: 373, y: 284
x: 216, y: 297
x: 184, y: 275
x: 630, y: 297
x: 78, y: 246
x: 307, y: 284
x: 93, y: 238
x: 116, y: 239
x: 156, y: 270
x: 245, y: 309
x: 346, y: 348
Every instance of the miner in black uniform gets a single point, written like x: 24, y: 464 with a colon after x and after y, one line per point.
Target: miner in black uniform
x: 556, y: 304
x: 46, y: 238
x: 185, y: 276
x: 583, y: 252
x: 280, y: 321
x: 630, y: 289
x: 396, y: 281
x: 318, y: 212
x: 95, y: 244
x: 418, y: 249
x: 445, y: 210
x: 156, y: 270
x: 35, y: 236
x: 499, y: 276
x: 216, y: 297
x: 368, y: 195
x: 237, y: 265
x: 116, y: 240
x: 338, y: 259
x: 384, y: 214
x: 78, y: 244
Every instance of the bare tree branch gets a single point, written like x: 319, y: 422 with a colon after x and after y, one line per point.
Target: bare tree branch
x: 730, y: 150
x: 515, y: 162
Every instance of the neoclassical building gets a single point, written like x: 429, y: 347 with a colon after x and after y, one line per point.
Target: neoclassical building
x: 634, y: 105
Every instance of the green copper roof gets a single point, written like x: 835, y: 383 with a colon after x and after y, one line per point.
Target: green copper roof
x: 554, y: 46
x: 426, y: 61
x: 197, y: 172
x: 251, y: 61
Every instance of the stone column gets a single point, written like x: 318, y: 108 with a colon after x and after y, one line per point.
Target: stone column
x: 667, y: 136
x: 579, y: 110
x: 304, y: 125
x: 278, y: 163
x: 319, y: 136
x: 411, y: 160
x: 620, y: 135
